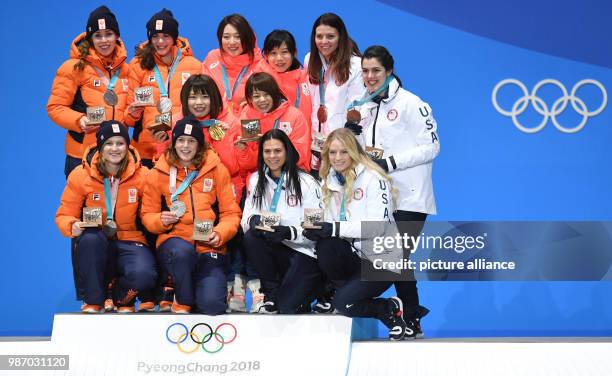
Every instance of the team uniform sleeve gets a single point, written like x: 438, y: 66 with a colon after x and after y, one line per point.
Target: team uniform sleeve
x: 71, y: 203
x: 355, y: 86
x: 65, y: 86
x: 424, y: 129
x: 151, y: 205
x: 378, y: 197
x: 301, y: 139
x: 249, y: 206
x: 229, y: 211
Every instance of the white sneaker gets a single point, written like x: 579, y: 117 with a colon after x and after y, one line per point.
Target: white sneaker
x: 237, y: 302
x: 256, y: 296
x: 268, y: 308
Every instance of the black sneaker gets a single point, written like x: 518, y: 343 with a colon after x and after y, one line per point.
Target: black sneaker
x: 268, y: 308
x: 394, y: 320
x: 415, y: 322
x: 323, y: 305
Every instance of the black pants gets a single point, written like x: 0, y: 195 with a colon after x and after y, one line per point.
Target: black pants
x: 410, y: 223
x: 288, y: 277
x: 354, y: 297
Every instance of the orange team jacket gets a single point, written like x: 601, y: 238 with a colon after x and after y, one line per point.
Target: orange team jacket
x: 143, y: 139
x: 211, y: 186
x: 233, y: 64
x: 291, y: 120
x: 75, y: 90
x: 292, y: 84
x: 224, y: 147
x: 85, y: 188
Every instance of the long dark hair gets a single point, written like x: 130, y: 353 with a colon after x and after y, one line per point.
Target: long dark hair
x: 202, y: 84
x: 292, y: 176
x: 276, y: 39
x: 383, y: 56
x: 247, y: 35
x: 263, y: 81
x: 340, y: 61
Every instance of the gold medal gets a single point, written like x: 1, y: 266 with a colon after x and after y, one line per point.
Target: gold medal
x: 322, y: 114
x: 216, y: 132
x: 353, y: 116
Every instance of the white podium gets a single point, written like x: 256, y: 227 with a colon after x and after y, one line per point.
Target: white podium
x: 167, y: 344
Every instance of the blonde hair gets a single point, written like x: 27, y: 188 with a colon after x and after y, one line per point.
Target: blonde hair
x: 357, y: 155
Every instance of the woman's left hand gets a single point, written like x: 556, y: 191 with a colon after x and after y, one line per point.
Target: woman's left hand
x: 213, y: 241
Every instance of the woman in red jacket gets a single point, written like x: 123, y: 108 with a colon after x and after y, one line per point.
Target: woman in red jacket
x: 164, y: 62
x: 280, y: 60
x: 232, y: 63
x: 95, y: 75
x: 111, y: 182
x: 189, y: 203
x: 268, y: 105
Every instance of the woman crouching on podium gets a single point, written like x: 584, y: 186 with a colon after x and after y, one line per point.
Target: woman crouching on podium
x: 107, y: 188
x: 190, y: 204
x: 278, y: 194
x: 355, y: 189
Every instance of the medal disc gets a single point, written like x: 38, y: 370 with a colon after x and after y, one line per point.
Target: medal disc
x: 216, y: 132
x: 110, y: 228
x: 110, y: 98
x: 164, y: 105
x: 179, y: 208
x: 322, y: 114
x: 353, y: 116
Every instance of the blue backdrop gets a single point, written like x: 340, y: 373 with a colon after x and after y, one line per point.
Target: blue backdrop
x: 452, y: 54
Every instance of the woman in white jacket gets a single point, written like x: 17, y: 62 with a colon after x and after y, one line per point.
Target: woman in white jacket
x: 398, y: 131
x: 284, y: 259
x: 355, y: 189
x: 334, y: 74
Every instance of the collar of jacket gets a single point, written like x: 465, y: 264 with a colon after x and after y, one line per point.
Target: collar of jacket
x: 252, y: 113
x: 333, y: 184
x: 120, y: 54
x: 211, y: 160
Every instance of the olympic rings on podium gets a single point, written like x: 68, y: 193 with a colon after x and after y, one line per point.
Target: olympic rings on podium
x: 201, y: 341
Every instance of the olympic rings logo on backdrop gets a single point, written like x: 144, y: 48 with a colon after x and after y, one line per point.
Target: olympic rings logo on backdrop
x: 542, y: 108
x: 197, y: 340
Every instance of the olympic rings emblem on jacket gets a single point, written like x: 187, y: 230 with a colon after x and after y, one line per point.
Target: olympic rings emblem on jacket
x: 199, y: 341
x: 542, y: 108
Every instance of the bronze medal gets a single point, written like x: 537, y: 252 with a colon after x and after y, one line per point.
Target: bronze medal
x: 110, y: 98
x: 353, y: 116
x: 322, y: 114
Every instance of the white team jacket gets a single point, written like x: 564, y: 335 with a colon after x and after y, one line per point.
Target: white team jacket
x: 403, y: 125
x: 337, y: 98
x: 292, y: 213
x: 371, y: 201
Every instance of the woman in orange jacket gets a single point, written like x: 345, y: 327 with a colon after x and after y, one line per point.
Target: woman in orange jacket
x: 185, y: 190
x: 110, y: 182
x: 268, y: 105
x: 280, y: 61
x: 164, y: 62
x: 201, y: 98
x: 232, y: 63
x: 94, y: 75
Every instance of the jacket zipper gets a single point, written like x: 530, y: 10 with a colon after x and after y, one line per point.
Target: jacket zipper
x: 374, y: 126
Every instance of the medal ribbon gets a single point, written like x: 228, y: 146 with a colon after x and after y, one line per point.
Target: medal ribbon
x: 277, y: 192
x: 190, y: 177
x: 367, y: 98
x: 209, y: 123
x: 110, y: 196
x: 343, y: 208
x: 321, y: 88
x: 110, y: 85
x: 163, y: 86
x: 296, y: 104
x: 276, y: 123
x: 229, y: 94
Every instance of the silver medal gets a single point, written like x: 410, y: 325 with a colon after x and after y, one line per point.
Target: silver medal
x: 110, y: 228
x: 110, y: 98
x: 179, y: 208
x: 164, y: 105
